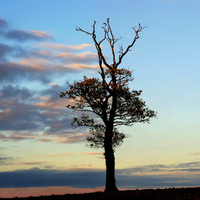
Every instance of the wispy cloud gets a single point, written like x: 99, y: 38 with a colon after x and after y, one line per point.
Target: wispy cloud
x: 162, y: 169
x: 18, y: 136
x: 65, y: 48
x: 66, y: 137
x: 57, y: 155
x: 25, y: 35
x: 194, y: 154
x: 86, y: 57
x: 6, y: 161
x: 33, y: 163
x: 92, y: 153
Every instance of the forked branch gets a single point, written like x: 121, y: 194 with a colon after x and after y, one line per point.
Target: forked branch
x: 122, y: 54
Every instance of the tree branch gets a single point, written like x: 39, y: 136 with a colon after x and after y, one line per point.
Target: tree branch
x: 134, y: 40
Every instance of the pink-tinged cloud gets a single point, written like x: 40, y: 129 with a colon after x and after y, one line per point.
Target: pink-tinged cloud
x: 25, y: 35
x: 83, y: 58
x: 63, y: 47
x: 42, y: 53
x: 76, y: 66
x: 58, y: 134
x: 57, y: 155
x: 92, y: 153
x: 72, y: 138
x: 41, y: 34
x: 17, y: 136
x: 45, y: 140
x: 70, y: 153
x: 53, y: 84
x: 47, y: 103
x: 5, y: 115
x: 33, y: 163
x: 44, y: 191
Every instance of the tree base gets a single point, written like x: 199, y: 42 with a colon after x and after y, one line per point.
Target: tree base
x: 111, y: 189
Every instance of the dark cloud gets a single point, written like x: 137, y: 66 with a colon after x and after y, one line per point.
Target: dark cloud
x: 10, y: 92
x: 6, y: 160
x: 4, y: 49
x: 90, y: 178
x: 24, y: 114
x: 3, y: 23
x: 15, y: 51
x: 7, y: 52
x: 19, y: 112
x: 44, y: 178
x: 22, y: 35
x: 12, y: 72
x: 19, y: 116
x: 33, y: 163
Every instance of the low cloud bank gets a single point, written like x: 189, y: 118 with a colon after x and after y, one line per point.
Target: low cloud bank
x: 90, y: 178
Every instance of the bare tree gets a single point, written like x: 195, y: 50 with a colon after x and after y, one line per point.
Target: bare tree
x: 110, y: 99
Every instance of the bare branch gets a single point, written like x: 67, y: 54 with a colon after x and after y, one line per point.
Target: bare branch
x: 79, y: 29
x: 134, y: 40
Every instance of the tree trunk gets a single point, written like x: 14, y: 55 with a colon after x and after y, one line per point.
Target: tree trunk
x: 110, y: 164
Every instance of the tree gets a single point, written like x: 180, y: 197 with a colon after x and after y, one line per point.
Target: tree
x: 110, y: 99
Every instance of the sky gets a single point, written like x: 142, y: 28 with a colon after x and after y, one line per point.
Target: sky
x: 40, y: 50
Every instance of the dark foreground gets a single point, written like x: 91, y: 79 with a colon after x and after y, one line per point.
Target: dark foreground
x: 149, y: 194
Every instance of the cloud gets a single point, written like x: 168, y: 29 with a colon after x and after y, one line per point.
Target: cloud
x: 14, y: 71
x: 194, y: 154
x: 18, y: 136
x: 38, y: 114
x: 92, y: 178
x: 3, y: 23
x: 65, y: 48
x: 53, y: 84
x: 45, y: 178
x: 33, y: 163
x: 38, y: 70
x: 86, y: 57
x: 69, y: 154
x: 10, y: 92
x: 4, y: 50
x: 19, y: 116
x: 92, y: 153
x: 40, y: 62
x: 57, y: 155
x: 6, y: 161
x: 66, y: 136
x: 27, y: 115
x: 162, y: 169
x: 25, y: 35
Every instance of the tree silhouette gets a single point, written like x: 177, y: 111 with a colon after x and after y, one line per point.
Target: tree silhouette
x: 110, y: 98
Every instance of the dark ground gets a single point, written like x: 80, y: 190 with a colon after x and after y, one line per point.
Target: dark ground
x: 149, y: 194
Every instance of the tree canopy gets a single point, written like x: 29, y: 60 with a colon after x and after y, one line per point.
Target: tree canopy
x: 109, y: 97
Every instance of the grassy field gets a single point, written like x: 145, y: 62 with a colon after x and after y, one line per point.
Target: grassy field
x: 149, y: 194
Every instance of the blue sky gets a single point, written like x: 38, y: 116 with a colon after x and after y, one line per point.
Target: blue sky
x: 40, y: 50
